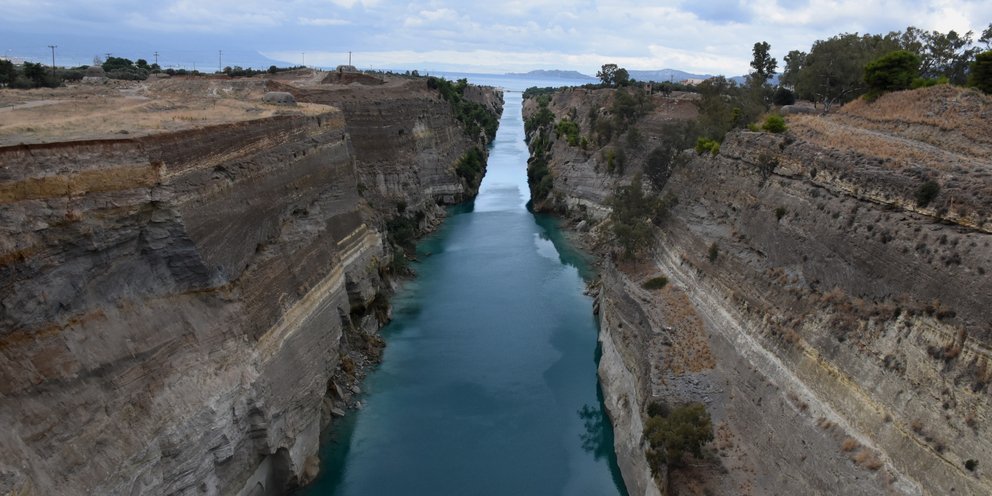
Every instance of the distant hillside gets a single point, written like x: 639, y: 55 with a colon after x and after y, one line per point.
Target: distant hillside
x: 663, y: 75
x: 552, y: 74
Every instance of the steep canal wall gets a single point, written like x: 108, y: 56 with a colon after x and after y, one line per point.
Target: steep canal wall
x: 834, y: 325
x: 183, y: 312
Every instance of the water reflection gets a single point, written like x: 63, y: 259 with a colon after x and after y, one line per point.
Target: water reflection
x: 597, y: 439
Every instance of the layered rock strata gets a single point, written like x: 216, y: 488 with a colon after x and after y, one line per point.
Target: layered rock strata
x: 182, y: 312
x: 835, y: 325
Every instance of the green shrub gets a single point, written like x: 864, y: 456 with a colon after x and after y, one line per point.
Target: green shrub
x: 616, y: 160
x: 981, y: 72
x: 475, y: 117
x: 658, y: 408
x: 971, y: 465
x: 926, y: 193
x: 926, y: 83
x: 704, y: 145
x: 633, y: 214
x: 685, y: 430
x: 780, y: 212
x: 471, y: 167
x: 774, y: 124
x: 713, y: 252
x: 783, y: 96
x: 655, y: 283
x: 893, y: 71
x: 570, y: 129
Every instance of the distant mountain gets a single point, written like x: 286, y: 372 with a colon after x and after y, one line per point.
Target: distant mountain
x: 551, y: 74
x: 660, y: 76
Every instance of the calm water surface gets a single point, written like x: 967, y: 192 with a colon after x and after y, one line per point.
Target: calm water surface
x: 488, y: 383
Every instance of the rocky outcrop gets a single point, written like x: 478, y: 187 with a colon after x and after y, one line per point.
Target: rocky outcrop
x: 834, y: 324
x: 183, y: 312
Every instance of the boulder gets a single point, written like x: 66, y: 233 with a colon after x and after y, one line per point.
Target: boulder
x: 279, y: 97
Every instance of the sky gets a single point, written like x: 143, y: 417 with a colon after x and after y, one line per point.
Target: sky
x: 706, y: 37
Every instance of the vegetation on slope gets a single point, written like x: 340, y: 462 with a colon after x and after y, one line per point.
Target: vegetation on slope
x: 476, y: 117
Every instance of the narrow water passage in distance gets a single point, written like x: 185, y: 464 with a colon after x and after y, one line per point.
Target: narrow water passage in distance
x: 488, y: 384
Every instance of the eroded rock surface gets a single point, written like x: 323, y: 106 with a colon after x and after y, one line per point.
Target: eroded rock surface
x: 838, y: 333
x: 184, y: 311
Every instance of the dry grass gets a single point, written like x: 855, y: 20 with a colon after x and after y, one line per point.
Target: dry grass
x: 897, y: 152
x: 690, y: 350
x: 155, y: 107
x: 867, y: 459
x: 946, y: 109
x: 850, y: 444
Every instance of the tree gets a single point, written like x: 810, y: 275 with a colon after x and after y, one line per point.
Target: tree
x: 608, y: 74
x: 795, y: 61
x: 685, y: 430
x: 621, y: 77
x: 664, y: 158
x: 142, y: 64
x: 117, y: 63
x: 764, y: 65
x: 833, y: 71
x: 941, y: 55
x: 632, y: 215
x: 986, y: 38
x: 7, y: 72
x: 894, y: 71
x: 981, y: 72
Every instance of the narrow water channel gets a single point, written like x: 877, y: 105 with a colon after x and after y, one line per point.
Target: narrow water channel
x: 488, y: 383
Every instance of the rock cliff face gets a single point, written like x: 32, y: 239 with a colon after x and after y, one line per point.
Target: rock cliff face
x: 835, y: 325
x: 183, y: 311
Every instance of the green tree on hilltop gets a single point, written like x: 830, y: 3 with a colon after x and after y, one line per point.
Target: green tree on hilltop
x: 894, y: 71
x: 764, y: 64
x: 981, y: 71
x: 608, y: 74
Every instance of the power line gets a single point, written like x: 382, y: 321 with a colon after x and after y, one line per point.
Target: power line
x: 156, y: 58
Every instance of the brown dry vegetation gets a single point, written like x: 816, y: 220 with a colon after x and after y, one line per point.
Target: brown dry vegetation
x: 929, y: 115
x: 138, y: 109
x: 904, y: 138
x: 690, y: 350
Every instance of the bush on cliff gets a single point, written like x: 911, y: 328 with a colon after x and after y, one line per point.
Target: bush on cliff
x: 670, y: 435
x: 634, y: 214
x: 926, y: 193
x: 570, y: 129
x: 471, y: 167
x: 774, y: 124
x: 475, y: 116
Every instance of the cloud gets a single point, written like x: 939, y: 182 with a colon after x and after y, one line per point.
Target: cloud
x: 351, y: 3
x: 321, y: 21
x: 712, y: 36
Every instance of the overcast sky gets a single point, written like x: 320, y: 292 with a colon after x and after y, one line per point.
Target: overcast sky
x: 477, y: 36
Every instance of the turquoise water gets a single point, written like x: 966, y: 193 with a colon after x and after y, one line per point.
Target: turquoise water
x: 488, y: 383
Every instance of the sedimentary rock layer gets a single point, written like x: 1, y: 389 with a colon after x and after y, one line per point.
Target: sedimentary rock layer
x: 836, y: 328
x: 174, y: 307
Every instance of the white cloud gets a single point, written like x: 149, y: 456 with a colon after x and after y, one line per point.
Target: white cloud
x: 351, y: 3
x: 685, y: 34
x: 321, y: 21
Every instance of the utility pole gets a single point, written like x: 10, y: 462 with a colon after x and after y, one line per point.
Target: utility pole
x: 349, y: 58
x: 156, y: 58
x: 53, y: 47
x: 304, y: 58
x: 219, y: 64
x: 107, y: 56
